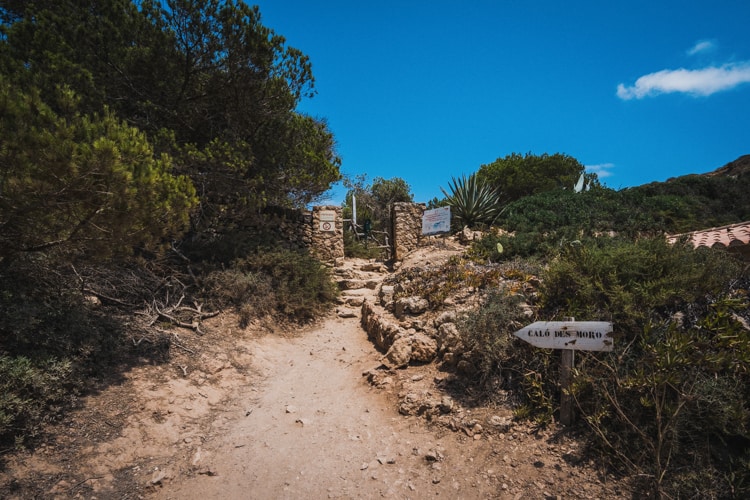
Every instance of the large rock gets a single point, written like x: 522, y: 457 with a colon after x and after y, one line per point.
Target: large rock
x: 449, y: 339
x: 423, y: 348
x: 468, y: 235
x: 385, y: 294
x: 413, y: 306
x: 399, y: 354
x: 445, y: 317
x: 377, y: 267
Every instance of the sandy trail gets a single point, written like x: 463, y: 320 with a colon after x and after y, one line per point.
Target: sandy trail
x: 314, y: 428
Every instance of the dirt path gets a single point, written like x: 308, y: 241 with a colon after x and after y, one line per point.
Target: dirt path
x: 314, y: 428
x: 239, y: 414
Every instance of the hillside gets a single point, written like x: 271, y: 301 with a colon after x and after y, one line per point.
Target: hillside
x: 736, y: 169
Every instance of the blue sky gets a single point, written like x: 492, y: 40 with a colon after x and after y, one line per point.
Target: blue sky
x: 637, y: 91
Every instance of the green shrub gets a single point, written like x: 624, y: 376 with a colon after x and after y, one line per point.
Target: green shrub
x: 28, y: 388
x: 51, y: 344
x: 250, y: 294
x: 359, y: 249
x: 669, y: 399
x: 671, y: 403
x: 630, y: 282
x: 284, y: 282
x: 497, y: 355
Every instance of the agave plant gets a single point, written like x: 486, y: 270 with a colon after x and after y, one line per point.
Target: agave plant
x: 473, y: 203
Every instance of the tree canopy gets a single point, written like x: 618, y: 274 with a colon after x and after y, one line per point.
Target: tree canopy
x: 86, y: 183
x: 516, y: 176
x: 205, y: 80
x: 374, y: 199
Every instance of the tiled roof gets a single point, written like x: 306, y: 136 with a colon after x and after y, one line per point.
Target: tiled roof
x: 736, y: 235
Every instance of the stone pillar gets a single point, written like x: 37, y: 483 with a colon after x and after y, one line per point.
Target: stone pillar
x: 327, y: 233
x: 406, y: 227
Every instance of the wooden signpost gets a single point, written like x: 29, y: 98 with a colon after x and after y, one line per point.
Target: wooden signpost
x: 570, y: 336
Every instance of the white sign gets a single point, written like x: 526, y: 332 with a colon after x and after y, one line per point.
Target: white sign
x: 436, y: 221
x: 573, y: 335
x: 327, y: 220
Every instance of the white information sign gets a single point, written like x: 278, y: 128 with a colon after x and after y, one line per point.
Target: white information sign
x: 573, y: 335
x: 327, y: 220
x: 436, y: 221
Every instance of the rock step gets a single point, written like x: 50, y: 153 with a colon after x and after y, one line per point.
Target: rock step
x: 353, y: 284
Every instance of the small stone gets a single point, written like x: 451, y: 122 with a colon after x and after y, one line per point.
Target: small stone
x: 158, y: 476
x: 60, y: 487
x: 197, y: 457
x: 446, y: 404
x: 291, y: 409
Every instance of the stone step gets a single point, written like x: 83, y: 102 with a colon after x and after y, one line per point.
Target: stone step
x: 353, y: 284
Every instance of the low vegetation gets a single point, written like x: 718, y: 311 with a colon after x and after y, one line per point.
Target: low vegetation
x: 670, y: 404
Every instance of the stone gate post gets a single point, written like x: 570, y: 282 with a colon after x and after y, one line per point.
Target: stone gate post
x: 327, y: 226
x: 406, y: 227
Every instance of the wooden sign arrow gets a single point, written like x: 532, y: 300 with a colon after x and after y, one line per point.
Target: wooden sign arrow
x: 574, y: 335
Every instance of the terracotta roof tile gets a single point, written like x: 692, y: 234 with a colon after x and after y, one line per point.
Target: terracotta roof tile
x: 727, y: 236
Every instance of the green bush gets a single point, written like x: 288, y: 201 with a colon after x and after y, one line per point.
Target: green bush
x: 671, y: 403
x: 51, y: 344
x: 28, y: 388
x: 673, y: 395
x: 283, y: 282
x: 487, y: 335
x: 631, y: 283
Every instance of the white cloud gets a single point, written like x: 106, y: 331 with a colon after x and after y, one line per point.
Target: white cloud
x: 701, y: 46
x: 602, y: 170
x: 697, y: 82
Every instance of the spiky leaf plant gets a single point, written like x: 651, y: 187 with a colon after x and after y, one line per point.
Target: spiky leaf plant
x: 473, y: 203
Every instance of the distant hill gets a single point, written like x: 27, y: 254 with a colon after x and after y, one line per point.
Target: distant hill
x: 736, y: 169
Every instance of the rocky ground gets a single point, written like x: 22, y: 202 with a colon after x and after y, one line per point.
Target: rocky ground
x: 326, y: 412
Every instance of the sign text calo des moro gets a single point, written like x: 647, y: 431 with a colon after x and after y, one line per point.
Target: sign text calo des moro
x: 573, y: 335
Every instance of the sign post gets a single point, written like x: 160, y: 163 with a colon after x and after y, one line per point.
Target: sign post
x: 327, y: 220
x: 570, y: 336
x: 436, y: 221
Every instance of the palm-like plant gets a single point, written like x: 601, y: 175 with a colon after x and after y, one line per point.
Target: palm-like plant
x: 473, y: 202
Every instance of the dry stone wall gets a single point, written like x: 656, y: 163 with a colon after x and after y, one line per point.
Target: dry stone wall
x: 292, y: 229
x: 321, y: 231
